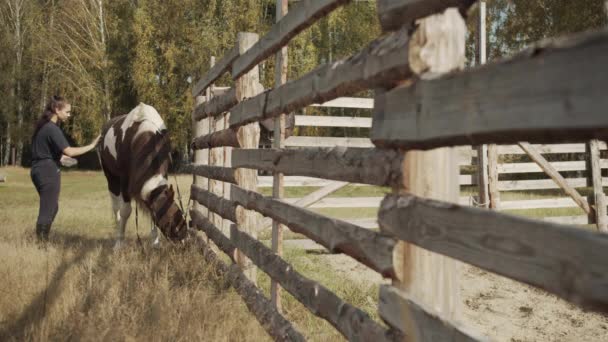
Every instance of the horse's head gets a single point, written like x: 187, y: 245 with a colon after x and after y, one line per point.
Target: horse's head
x: 166, y: 213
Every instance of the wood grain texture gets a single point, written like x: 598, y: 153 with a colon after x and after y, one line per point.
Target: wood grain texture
x: 225, y: 208
x: 248, y: 136
x: 394, y: 14
x: 224, y: 137
x: 272, y: 321
x: 350, y: 321
x: 199, y: 156
x: 383, y: 63
x: 566, y: 261
x: 370, y: 248
x: 216, y: 71
x: 218, y: 105
x: 595, y: 175
x: 394, y: 304
x: 302, y: 15
x: 560, y: 81
x: 354, y: 165
x: 493, y: 192
x: 224, y: 174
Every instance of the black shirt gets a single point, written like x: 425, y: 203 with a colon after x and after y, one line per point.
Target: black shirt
x: 48, y: 143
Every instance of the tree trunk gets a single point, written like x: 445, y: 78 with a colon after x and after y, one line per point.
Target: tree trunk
x: 7, y: 145
x: 105, y: 63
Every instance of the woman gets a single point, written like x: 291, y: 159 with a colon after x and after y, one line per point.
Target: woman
x: 48, y: 146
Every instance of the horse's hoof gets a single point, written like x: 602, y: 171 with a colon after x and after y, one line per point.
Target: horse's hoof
x: 156, y: 243
x: 119, y: 245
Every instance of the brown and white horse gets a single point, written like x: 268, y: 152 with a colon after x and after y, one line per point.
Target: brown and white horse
x: 134, y: 152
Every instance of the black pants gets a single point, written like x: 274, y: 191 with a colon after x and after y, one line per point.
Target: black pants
x: 46, y: 176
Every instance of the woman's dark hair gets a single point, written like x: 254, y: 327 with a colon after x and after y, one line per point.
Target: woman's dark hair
x: 55, y: 103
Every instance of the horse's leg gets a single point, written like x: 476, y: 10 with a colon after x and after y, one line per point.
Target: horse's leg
x: 154, y: 234
x: 122, y: 211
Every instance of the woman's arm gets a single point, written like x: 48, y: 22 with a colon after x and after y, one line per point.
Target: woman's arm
x: 78, y: 151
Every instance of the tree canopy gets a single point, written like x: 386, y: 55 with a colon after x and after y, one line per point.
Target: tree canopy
x: 107, y: 56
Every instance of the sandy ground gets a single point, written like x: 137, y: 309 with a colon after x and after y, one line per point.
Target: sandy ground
x: 497, y: 307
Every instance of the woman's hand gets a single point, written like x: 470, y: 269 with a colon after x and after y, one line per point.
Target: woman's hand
x: 78, y: 151
x: 68, y: 161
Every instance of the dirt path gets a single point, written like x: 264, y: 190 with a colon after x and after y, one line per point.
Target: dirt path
x: 500, y: 308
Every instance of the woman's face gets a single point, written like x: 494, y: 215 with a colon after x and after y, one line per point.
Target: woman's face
x: 64, y: 113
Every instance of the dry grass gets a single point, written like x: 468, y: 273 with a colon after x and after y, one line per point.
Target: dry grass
x: 80, y: 289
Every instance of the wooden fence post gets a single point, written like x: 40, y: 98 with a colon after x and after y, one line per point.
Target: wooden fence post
x: 279, y: 142
x: 216, y: 158
x: 429, y: 278
x: 482, y: 150
x: 248, y: 136
x: 200, y: 156
x: 598, y: 200
x: 494, y: 194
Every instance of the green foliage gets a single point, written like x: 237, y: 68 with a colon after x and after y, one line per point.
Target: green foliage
x: 107, y: 59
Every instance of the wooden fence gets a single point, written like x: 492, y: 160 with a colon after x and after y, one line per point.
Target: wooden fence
x: 553, y: 92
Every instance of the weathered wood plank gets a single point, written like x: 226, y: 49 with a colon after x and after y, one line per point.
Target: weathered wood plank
x: 548, y: 148
x: 225, y: 208
x: 482, y: 176
x: 218, y: 105
x: 555, y: 176
x: 301, y: 16
x: 278, y: 190
x: 350, y: 321
x: 354, y: 165
x: 394, y: 14
x: 214, y: 233
x: 560, y: 81
x: 224, y: 174
x: 271, y: 320
x: 348, y: 102
x: 370, y: 248
x: 573, y: 268
x: 598, y: 199
x: 383, y: 63
x: 543, y: 184
x: 395, y: 304
x: 298, y: 141
x: 224, y: 137
x: 533, y: 167
x: 493, y: 192
x: 248, y: 136
x: 216, y: 71
x: 199, y: 156
x: 333, y: 121
x: 542, y: 148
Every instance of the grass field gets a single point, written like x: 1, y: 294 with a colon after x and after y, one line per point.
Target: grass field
x: 80, y: 289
